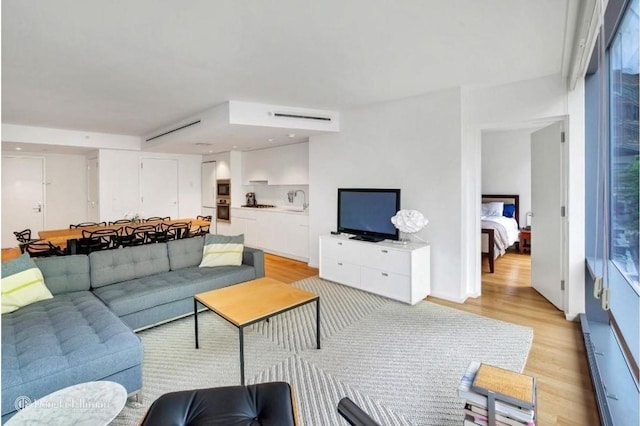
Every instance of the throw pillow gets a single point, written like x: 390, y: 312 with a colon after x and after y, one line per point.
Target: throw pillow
x: 509, y: 210
x: 222, y: 250
x: 22, y: 284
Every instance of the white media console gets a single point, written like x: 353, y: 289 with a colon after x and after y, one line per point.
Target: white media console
x: 397, y: 271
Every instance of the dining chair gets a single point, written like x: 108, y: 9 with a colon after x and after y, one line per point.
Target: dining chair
x: 24, y: 237
x: 101, y: 239
x: 87, y: 224
x: 156, y: 218
x: 177, y: 231
x: 120, y: 222
x: 135, y: 236
x: 43, y: 249
x: 201, y: 231
x: 207, y: 218
x: 159, y: 234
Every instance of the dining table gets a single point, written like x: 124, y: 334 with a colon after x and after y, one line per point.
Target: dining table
x: 61, y: 237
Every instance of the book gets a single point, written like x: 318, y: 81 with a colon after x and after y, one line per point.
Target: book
x: 479, y: 400
x: 513, y: 387
x: 482, y: 414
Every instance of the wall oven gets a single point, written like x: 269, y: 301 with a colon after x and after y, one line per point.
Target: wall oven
x: 223, y: 210
x: 223, y: 188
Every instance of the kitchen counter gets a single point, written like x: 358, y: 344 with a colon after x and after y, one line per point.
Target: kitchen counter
x: 279, y: 209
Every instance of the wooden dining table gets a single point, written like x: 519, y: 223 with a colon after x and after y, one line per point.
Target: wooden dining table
x: 60, y: 237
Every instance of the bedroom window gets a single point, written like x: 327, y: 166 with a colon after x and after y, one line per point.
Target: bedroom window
x: 624, y: 147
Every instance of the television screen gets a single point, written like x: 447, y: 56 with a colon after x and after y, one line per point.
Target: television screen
x: 366, y: 212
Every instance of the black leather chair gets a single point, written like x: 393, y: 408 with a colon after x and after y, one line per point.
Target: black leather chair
x: 266, y: 404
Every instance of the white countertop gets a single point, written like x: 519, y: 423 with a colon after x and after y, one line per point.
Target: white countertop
x: 279, y: 209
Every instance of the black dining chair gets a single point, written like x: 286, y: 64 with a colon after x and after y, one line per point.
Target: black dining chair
x: 24, y: 237
x: 156, y: 219
x: 87, y: 224
x: 120, y: 222
x: 177, y: 231
x: 201, y: 231
x: 159, y: 234
x: 135, y: 236
x: 207, y: 218
x: 101, y: 239
x: 43, y: 249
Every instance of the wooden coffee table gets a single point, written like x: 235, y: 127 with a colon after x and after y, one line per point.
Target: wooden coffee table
x: 248, y: 303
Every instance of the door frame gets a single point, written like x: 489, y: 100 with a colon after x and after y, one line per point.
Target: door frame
x: 564, y: 172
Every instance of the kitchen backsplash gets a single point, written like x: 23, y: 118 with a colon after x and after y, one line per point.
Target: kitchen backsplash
x: 277, y: 194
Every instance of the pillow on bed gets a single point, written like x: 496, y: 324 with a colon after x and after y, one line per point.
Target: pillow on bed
x: 494, y: 208
x: 509, y: 210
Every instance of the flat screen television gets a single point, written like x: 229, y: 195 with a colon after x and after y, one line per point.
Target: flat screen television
x: 366, y: 213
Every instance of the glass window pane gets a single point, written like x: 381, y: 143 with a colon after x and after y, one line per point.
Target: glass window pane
x: 624, y: 65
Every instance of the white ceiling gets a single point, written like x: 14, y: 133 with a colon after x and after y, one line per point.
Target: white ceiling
x: 131, y: 67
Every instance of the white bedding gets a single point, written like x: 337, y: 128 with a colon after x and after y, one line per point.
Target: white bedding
x: 510, y: 225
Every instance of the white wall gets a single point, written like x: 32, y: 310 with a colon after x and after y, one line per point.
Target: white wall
x: 413, y: 144
x: 120, y: 183
x: 506, y: 165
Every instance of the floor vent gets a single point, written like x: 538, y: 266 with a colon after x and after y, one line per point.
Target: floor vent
x: 596, y: 378
x: 173, y: 130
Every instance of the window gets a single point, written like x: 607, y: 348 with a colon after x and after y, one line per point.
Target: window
x: 624, y: 148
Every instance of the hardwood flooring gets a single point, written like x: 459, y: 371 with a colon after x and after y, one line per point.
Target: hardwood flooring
x: 557, y: 357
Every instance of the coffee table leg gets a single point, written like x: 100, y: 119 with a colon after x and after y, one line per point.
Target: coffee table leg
x: 241, y: 330
x: 318, y: 322
x: 195, y: 316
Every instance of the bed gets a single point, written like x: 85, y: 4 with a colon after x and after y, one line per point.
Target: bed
x: 500, y: 217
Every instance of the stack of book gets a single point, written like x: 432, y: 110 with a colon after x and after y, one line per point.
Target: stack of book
x: 513, y: 396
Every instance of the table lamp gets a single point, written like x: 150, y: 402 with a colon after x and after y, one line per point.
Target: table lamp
x: 408, y: 222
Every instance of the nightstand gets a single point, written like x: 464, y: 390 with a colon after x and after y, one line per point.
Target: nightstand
x: 525, y: 240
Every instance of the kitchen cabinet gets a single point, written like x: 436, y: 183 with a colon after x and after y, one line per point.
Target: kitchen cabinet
x: 283, y: 165
x: 277, y: 232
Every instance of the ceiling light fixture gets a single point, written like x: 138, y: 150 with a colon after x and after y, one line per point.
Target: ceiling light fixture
x: 292, y: 135
x: 270, y: 140
x: 18, y: 148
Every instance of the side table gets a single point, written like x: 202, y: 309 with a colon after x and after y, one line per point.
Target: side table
x: 525, y: 241
x: 91, y: 403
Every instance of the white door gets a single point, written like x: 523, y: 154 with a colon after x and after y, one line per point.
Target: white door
x: 159, y: 178
x: 93, y: 191
x: 547, y: 238
x: 22, y: 197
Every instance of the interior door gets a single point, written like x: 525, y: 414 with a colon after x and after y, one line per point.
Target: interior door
x: 93, y: 191
x: 159, y: 178
x: 22, y: 197
x: 209, y: 184
x: 547, y: 239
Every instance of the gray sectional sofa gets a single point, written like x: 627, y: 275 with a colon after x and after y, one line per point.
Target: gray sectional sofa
x: 85, y: 332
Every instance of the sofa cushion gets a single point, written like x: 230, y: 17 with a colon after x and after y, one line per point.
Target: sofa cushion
x: 222, y: 250
x: 185, y: 252
x: 65, y: 274
x: 60, y: 342
x: 114, y: 266
x: 22, y: 284
x: 144, y: 293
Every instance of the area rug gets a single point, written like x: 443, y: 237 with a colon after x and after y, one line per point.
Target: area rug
x: 400, y: 363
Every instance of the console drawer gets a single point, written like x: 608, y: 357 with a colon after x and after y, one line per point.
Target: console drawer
x: 388, y: 284
x: 340, y: 272
x: 386, y: 259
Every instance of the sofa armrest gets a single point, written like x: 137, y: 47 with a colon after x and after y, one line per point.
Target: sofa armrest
x: 254, y: 257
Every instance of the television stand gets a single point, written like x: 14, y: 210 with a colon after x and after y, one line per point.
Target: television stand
x: 366, y: 238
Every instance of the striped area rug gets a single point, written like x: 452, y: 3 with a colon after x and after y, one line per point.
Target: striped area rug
x: 400, y: 363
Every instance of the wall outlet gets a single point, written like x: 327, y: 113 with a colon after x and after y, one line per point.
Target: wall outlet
x: 597, y: 287
x: 604, y: 299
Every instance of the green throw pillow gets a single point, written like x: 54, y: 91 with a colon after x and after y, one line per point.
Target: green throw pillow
x: 222, y: 250
x: 22, y: 284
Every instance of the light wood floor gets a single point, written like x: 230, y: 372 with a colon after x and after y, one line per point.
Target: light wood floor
x: 557, y: 357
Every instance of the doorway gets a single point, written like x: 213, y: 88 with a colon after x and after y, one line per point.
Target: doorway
x: 23, y: 197
x: 529, y: 162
